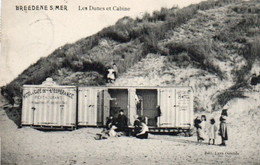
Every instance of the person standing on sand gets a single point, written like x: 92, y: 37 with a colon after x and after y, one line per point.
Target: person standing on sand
x: 197, y: 122
x: 212, y: 131
x: 223, y: 127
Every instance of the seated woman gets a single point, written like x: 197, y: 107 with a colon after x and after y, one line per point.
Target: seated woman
x: 137, y: 125
x: 144, y: 131
x: 121, y: 122
x: 110, y: 122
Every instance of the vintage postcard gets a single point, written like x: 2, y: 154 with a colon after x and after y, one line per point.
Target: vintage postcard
x: 130, y: 82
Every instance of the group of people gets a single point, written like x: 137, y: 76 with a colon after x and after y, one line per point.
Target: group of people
x: 112, y: 73
x: 202, y: 129
x: 116, y: 127
x: 120, y: 123
x: 255, y: 81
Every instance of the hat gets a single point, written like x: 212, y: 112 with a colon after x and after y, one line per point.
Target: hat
x: 212, y: 120
x: 224, y: 112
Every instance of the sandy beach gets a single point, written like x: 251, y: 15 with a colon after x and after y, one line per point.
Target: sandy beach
x: 29, y: 146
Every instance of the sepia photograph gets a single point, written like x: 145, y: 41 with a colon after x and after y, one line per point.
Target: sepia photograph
x: 118, y: 82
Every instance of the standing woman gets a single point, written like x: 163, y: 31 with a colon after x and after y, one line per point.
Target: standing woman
x: 223, y: 127
x: 197, y: 122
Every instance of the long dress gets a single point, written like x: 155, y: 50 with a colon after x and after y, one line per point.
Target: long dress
x: 223, y: 128
x: 121, y: 123
x: 202, y: 130
x: 198, y: 127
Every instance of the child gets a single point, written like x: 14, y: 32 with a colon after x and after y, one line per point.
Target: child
x: 111, y: 75
x: 112, y: 132
x: 202, y: 130
x: 212, y: 131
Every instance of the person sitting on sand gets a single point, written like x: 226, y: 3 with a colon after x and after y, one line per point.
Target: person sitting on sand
x: 121, y: 121
x: 137, y: 125
x: 144, y: 131
x: 110, y: 122
x: 223, y: 127
x: 212, y: 131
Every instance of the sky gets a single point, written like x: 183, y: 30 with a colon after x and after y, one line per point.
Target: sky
x: 29, y: 35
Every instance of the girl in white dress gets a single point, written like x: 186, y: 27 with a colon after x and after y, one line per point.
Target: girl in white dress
x: 203, y: 127
x: 111, y: 75
x: 212, y: 131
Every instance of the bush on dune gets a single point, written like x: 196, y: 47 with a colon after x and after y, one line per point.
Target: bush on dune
x: 198, y: 53
x: 224, y: 97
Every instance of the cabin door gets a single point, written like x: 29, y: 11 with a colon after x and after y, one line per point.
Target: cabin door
x: 106, y: 112
x: 167, y: 102
x: 90, y: 106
